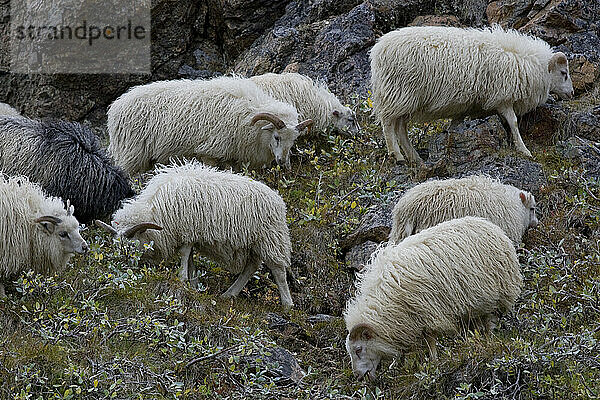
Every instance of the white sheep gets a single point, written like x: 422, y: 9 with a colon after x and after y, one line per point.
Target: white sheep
x: 313, y: 100
x: 227, y: 120
x: 457, y: 274
x: 37, y: 231
x: 231, y: 219
x: 436, y: 201
x: 420, y: 74
x: 8, y: 111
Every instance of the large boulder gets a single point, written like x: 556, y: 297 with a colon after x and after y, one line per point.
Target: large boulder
x: 190, y: 39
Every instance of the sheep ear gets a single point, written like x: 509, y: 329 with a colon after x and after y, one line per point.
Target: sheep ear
x: 70, y: 208
x: 48, y: 222
x: 523, y: 197
x: 48, y: 226
x: 558, y: 58
x: 362, y: 332
x: 268, y: 127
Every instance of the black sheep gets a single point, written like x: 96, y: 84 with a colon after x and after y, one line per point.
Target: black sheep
x: 66, y: 159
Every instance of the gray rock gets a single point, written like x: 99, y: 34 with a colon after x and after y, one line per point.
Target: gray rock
x: 190, y: 39
x: 358, y: 256
x: 551, y: 123
x: 319, y: 318
x: 480, y: 146
x: 375, y: 226
x: 318, y: 41
x: 584, y: 152
x: 278, y: 323
x: 279, y: 363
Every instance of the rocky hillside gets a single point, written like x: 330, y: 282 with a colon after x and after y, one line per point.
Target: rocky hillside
x: 113, y: 326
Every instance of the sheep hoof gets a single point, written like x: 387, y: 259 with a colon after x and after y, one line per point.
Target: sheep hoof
x: 227, y: 295
x: 526, y: 153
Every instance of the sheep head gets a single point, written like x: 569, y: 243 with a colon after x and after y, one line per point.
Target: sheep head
x: 64, y: 232
x: 528, y: 201
x: 344, y: 119
x: 361, y: 344
x: 561, y: 83
x: 281, y: 137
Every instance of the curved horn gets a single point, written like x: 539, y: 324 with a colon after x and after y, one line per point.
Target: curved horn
x: 140, y: 227
x: 304, y: 124
x: 106, y: 227
x: 48, y: 218
x: 274, y: 119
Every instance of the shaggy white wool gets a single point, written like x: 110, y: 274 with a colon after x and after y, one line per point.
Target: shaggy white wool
x: 7, y: 110
x: 207, y: 119
x: 312, y: 99
x: 229, y: 218
x: 221, y: 212
x: 421, y: 74
x: 26, y: 244
x: 436, y: 201
x: 434, y: 282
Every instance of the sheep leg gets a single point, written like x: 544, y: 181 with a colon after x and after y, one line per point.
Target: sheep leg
x: 279, y: 274
x: 391, y: 142
x: 241, y: 281
x: 491, y: 322
x: 402, y: 136
x: 408, y: 230
x: 431, y: 343
x: 511, y: 118
x: 192, y: 271
x: 185, y: 252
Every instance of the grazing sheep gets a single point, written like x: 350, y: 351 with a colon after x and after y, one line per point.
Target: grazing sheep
x: 432, y: 202
x: 229, y: 218
x: 446, y: 278
x: 224, y: 120
x: 66, y: 159
x: 7, y: 110
x: 37, y: 231
x: 312, y: 100
x: 421, y: 74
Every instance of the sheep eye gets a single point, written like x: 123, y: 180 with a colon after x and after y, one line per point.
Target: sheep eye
x: 63, y: 234
x: 277, y: 139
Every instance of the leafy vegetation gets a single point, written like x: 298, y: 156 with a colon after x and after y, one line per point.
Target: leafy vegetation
x: 114, y: 326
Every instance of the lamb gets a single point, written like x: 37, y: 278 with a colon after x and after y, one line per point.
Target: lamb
x: 9, y: 111
x: 37, y: 231
x: 66, y: 159
x: 227, y: 120
x: 436, y: 201
x: 312, y: 100
x: 457, y: 274
x: 421, y: 74
x: 231, y: 219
